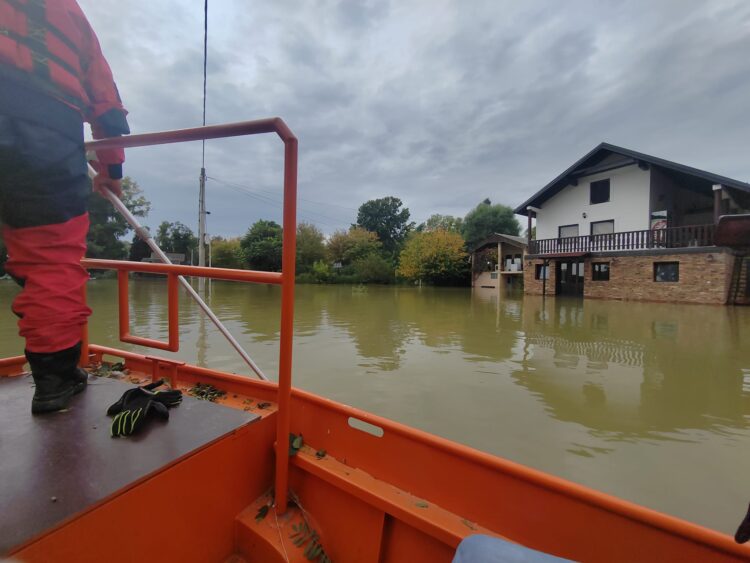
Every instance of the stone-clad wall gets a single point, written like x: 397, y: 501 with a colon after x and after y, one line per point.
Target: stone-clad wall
x: 704, y: 278
x: 535, y: 287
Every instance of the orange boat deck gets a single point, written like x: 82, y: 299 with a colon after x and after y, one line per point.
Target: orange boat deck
x: 59, y: 466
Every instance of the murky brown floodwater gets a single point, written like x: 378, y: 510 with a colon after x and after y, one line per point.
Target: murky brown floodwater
x: 649, y: 402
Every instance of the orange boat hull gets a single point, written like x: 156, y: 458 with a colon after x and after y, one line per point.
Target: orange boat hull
x: 391, y: 493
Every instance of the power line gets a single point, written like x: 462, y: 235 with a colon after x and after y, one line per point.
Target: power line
x: 324, y: 203
x: 205, y: 74
x: 254, y: 193
x: 307, y: 215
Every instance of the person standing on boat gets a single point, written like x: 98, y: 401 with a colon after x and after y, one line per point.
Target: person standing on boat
x: 53, y: 77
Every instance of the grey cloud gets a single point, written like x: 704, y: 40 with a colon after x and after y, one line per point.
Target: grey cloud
x: 440, y: 103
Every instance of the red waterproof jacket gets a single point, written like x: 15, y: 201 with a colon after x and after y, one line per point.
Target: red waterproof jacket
x: 52, y: 46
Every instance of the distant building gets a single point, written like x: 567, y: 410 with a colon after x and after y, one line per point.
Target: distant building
x: 497, y: 262
x: 174, y: 257
x: 626, y: 225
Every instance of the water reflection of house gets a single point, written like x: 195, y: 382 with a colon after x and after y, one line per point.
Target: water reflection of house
x: 641, y: 374
x: 627, y: 225
x: 497, y: 262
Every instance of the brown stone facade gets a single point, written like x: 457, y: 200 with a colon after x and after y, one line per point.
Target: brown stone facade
x: 703, y: 277
x: 533, y: 286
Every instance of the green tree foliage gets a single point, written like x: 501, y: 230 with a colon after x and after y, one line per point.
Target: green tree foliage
x: 311, y: 247
x: 373, y: 268
x: 385, y: 218
x: 108, y: 226
x: 138, y: 249
x: 176, y: 237
x: 445, y: 222
x: 485, y: 260
x: 486, y: 219
x: 261, y: 246
x: 227, y: 253
x: 348, y: 246
x: 321, y: 271
x: 436, y: 257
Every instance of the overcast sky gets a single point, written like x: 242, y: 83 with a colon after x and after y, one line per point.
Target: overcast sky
x: 440, y: 103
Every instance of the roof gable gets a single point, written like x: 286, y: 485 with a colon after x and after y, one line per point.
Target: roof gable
x: 494, y: 238
x: 608, y: 157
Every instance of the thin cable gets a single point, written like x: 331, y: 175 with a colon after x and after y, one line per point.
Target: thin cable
x: 323, y: 203
x: 255, y: 191
x: 277, y: 204
x: 325, y: 219
x: 205, y: 66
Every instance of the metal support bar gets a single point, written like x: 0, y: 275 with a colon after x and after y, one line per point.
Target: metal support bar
x: 272, y: 125
x: 133, y: 222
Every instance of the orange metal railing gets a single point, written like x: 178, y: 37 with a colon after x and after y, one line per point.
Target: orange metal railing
x: 285, y: 278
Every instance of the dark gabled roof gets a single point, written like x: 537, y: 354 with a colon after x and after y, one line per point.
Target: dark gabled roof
x: 591, y: 164
x: 494, y: 238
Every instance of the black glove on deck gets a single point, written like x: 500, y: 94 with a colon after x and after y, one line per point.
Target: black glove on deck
x: 136, y: 405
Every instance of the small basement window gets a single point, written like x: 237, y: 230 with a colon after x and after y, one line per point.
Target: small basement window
x: 599, y: 191
x: 541, y: 272
x: 666, y: 271
x: 600, y: 271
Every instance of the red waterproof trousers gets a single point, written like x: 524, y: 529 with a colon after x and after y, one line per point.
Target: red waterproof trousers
x: 44, y: 191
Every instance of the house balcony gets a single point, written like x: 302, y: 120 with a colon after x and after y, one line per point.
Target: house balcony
x: 673, y: 237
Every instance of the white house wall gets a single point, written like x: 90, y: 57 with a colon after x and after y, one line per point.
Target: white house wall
x: 628, y: 205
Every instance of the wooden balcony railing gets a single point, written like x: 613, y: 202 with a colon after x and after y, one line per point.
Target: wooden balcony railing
x: 673, y: 237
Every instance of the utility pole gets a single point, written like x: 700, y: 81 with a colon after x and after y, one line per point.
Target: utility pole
x: 202, y: 226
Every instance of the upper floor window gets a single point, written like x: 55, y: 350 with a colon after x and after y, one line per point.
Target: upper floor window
x: 603, y: 227
x: 599, y: 191
x: 567, y: 231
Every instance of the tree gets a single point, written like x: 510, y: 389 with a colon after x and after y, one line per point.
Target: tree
x: 261, y: 246
x: 445, y: 222
x: 385, y: 218
x: 108, y: 226
x: 310, y: 246
x: 227, y: 253
x: 374, y: 268
x: 348, y: 246
x: 176, y: 237
x: 138, y: 249
x: 436, y: 257
x: 486, y: 219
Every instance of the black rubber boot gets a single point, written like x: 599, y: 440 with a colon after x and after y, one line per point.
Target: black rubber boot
x: 57, y: 378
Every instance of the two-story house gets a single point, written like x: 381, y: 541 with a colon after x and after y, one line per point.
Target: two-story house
x: 626, y: 225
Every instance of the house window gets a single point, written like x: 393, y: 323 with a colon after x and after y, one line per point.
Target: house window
x: 666, y: 271
x: 567, y: 231
x: 603, y: 227
x: 599, y: 191
x: 541, y: 272
x: 600, y: 271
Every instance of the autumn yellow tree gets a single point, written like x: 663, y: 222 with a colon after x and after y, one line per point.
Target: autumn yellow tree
x: 437, y: 257
x: 227, y: 253
x: 352, y: 245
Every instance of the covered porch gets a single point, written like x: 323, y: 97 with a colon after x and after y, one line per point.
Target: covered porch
x: 497, y: 263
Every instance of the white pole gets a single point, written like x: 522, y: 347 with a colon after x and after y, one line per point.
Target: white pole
x: 144, y: 234
x: 202, y: 226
